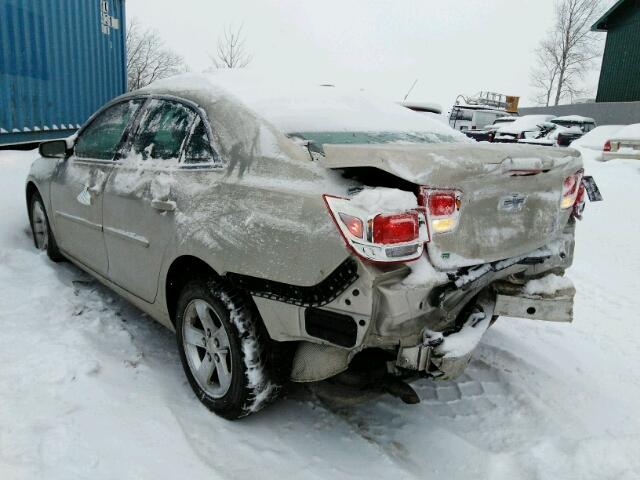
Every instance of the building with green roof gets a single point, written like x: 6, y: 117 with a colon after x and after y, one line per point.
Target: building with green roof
x: 620, y: 74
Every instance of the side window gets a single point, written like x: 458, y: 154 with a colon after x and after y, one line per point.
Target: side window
x: 101, y: 138
x: 163, y: 130
x: 199, y: 149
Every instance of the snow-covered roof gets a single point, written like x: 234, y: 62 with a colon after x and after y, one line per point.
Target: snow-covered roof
x: 630, y: 132
x: 597, y: 137
x: 423, y: 106
x: 574, y: 119
x: 527, y: 122
x: 475, y: 106
x: 296, y: 106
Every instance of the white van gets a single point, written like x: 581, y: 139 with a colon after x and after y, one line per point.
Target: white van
x: 473, y: 117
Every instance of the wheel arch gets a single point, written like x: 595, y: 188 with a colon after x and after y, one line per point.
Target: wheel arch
x: 30, y: 190
x: 181, y: 270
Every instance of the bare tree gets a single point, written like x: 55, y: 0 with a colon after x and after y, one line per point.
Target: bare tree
x: 148, y: 58
x: 231, y: 51
x: 543, y: 76
x: 568, y: 52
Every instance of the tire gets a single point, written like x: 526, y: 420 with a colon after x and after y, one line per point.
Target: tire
x: 223, y: 349
x: 43, y: 237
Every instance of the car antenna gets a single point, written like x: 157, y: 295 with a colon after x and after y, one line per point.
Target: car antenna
x: 412, y: 85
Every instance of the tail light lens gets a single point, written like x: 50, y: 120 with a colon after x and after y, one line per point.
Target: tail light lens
x: 353, y: 224
x: 521, y: 136
x: 442, y: 207
x: 381, y: 237
x: 578, y: 207
x: 570, y: 189
x: 400, y: 228
x: 607, y: 146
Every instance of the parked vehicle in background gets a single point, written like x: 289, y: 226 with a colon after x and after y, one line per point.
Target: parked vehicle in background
x: 575, y: 125
x: 488, y: 132
x: 527, y: 126
x: 473, y: 117
x: 546, y: 136
x: 625, y: 143
x: 283, y: 232
x: 596, y: 138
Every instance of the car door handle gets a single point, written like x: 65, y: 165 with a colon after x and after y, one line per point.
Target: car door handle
x: 164, y: 205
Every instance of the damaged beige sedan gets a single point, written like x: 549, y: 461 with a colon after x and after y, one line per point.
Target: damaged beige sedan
x: 292, y: 234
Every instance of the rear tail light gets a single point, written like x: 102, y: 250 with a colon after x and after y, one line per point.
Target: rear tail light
x: 570, y: 188
x: 381, y: 237
x: 578, y: 207
x: 399, y: 228
x: 442, y: 207
x: 607, y: 146
x: 521, y: 136
x: 353, y: 224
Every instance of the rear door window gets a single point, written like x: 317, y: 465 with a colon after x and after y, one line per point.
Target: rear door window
x: 199, y: 150
x: 103, y: 135
x: 163, y: 130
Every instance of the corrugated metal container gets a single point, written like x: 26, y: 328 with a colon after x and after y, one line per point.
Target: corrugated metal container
x: 59, y: 61
x: 620, y: 73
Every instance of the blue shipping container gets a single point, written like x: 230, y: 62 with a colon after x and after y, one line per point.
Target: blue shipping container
x: 60, y: 60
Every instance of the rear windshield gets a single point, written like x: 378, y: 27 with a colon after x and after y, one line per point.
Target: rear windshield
x: 318, y: 139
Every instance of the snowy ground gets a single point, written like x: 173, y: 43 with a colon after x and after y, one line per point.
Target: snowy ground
x: 92, y: 388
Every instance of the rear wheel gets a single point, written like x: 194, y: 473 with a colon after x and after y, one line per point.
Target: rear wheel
x: 43, y: 237
x: 222, y: 349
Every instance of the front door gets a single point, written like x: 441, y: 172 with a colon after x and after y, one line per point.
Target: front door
x: 140, y: 204
x: 76, y: 190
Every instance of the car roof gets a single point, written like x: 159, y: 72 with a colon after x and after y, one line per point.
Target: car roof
x: 574, y: 119
x: 293, y: 105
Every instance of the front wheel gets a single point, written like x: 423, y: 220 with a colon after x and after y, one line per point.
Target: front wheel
x: 42, y: 235
x: 222, y: 349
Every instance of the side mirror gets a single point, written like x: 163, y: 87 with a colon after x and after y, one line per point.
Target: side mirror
x: 54, y: 149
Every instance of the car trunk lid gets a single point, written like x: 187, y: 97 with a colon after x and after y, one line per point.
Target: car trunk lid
x: 510, y: 195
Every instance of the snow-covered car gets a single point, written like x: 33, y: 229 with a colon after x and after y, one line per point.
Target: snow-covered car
x: 625, y: 143
x: 549, y: 135
x: 488, y: 132
x: 522, y: 128
x: 285, y: 233
x: 575, y: 125
x: 596, y: 138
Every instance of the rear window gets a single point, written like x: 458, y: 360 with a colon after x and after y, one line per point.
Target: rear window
x: 318, y: 139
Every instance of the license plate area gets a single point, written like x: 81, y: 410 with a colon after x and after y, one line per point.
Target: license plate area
x: 593, y: 192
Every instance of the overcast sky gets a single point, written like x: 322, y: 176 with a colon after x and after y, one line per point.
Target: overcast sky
x: 452, y: 47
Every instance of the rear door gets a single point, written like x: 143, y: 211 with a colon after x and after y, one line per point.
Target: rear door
x: 76, y: 190
x: 140, y: 204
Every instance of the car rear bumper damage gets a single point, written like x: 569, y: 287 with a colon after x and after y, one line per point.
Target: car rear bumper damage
x: 445, y: 355
x: 421, y: 324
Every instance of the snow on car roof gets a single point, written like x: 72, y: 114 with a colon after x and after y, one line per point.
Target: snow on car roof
x: 575, y: 119
x: 298, y: 106
x: 425, y: 106
x: 596, y: 138
x: 630, y: 132
x: 525, y: 123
